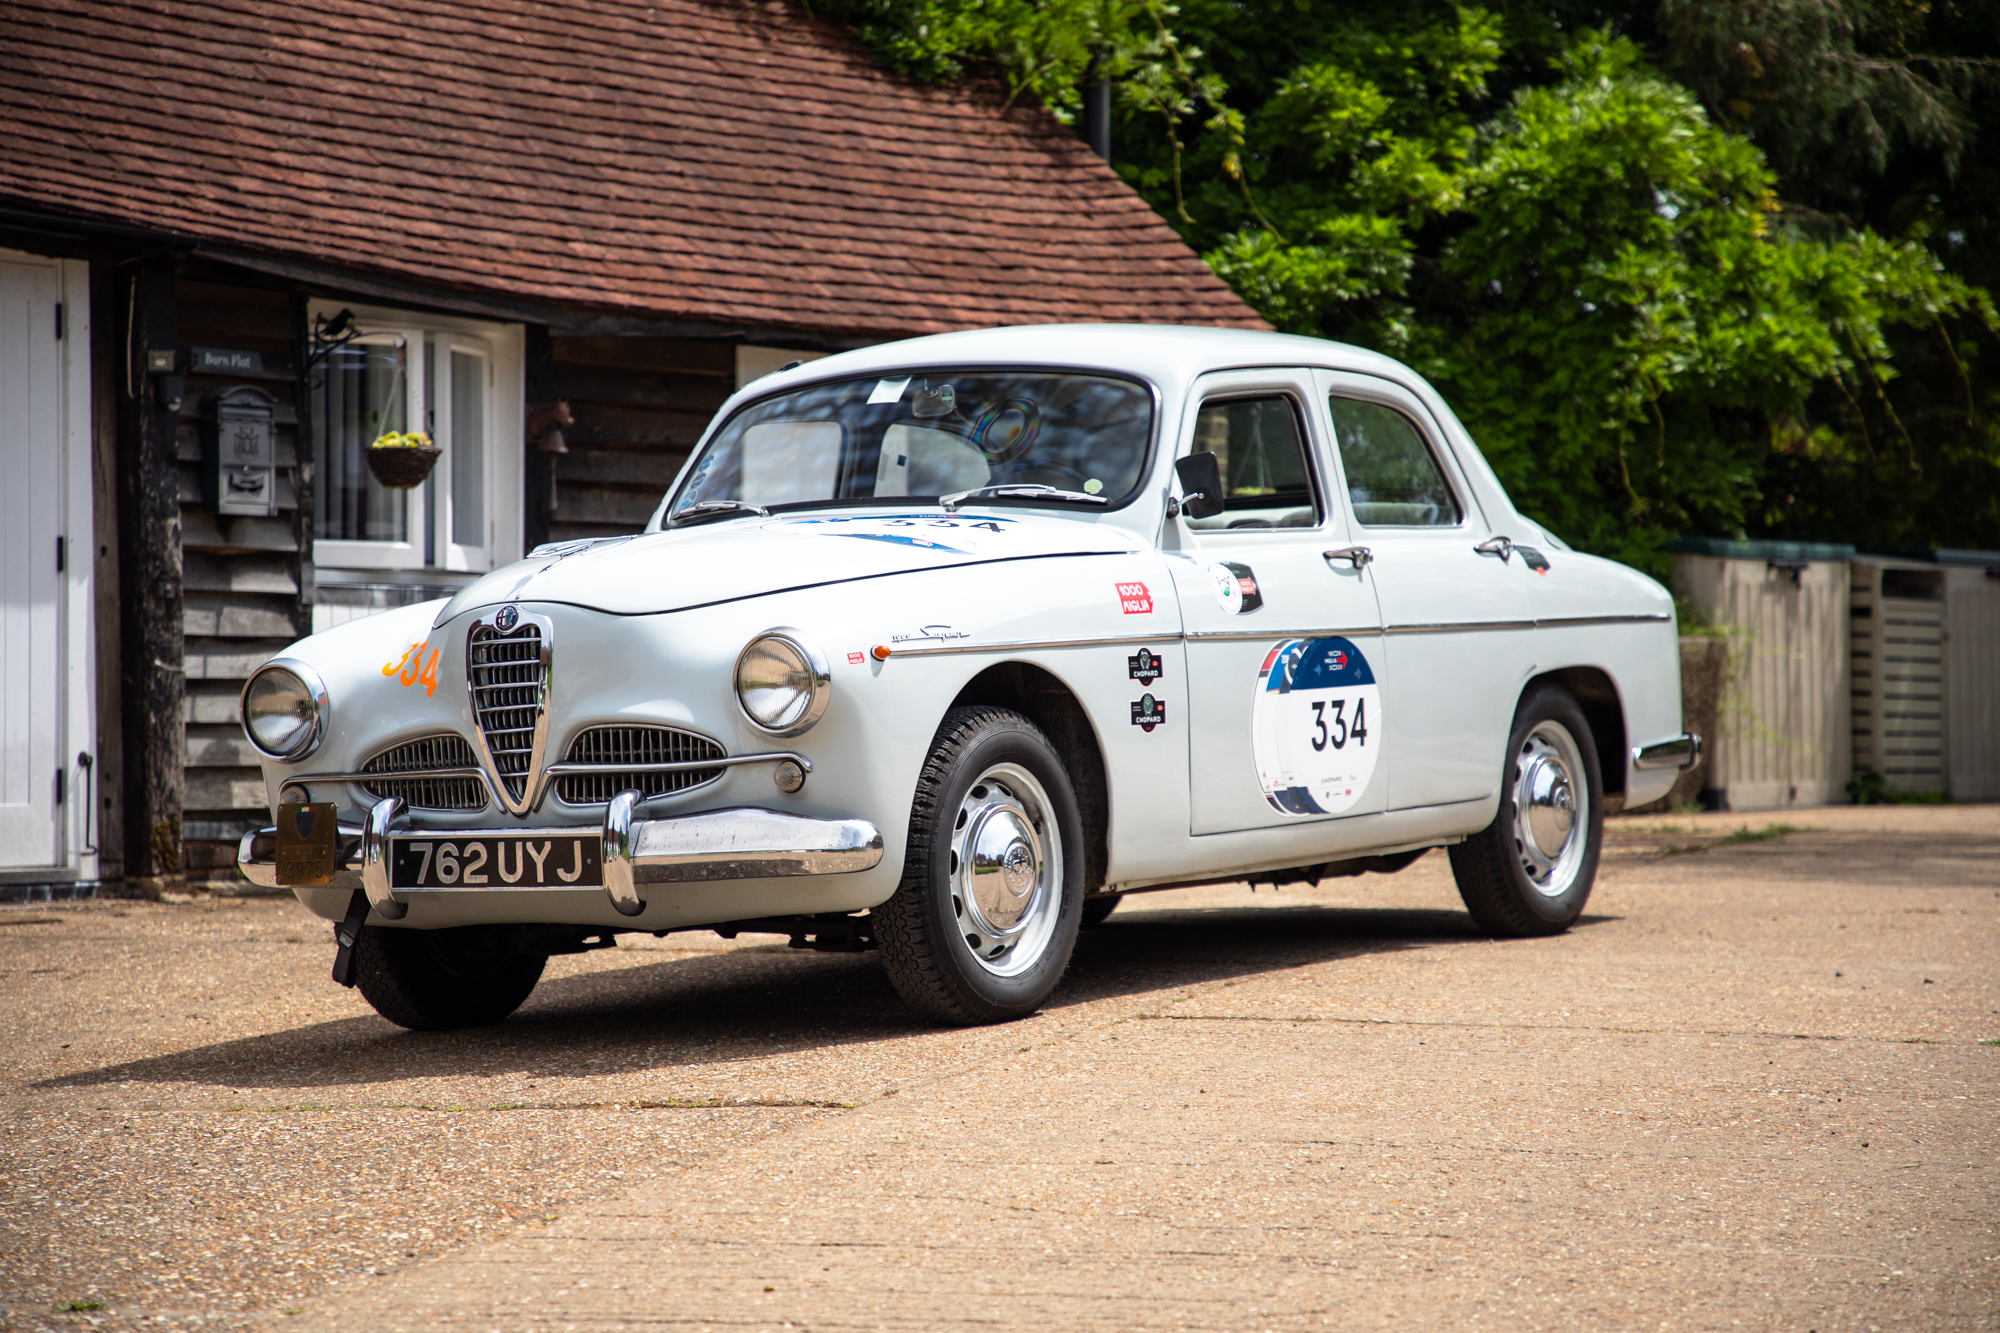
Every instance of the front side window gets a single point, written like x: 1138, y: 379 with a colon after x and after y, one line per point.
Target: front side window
x: 1266, y: 478
x: 1392, y: 478
x: 924, y: 435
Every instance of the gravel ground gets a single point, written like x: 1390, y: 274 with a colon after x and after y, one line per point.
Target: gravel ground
x: 1755, y: 1086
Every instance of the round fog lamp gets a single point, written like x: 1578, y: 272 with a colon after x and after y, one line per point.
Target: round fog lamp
x: 782, y: 682
x: 284, y: 711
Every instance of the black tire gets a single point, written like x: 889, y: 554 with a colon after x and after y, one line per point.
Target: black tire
x: 946, y: 959
x: 1500, y: 870
x: 436, y: 980
x: 1097, y: 910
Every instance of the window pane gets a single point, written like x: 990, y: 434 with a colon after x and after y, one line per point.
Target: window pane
x: 466, y: 449
x: 358, y: 393
x: 1266, y: 480
x: 1391, y: 476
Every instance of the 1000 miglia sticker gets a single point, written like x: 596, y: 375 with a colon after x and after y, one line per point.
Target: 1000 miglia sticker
x: 1316, y: 726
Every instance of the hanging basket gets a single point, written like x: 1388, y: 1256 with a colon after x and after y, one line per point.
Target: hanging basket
x: 401, y: 466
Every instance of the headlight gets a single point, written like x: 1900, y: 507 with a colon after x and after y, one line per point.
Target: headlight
x: 284, y: 710
x: 782, y: 682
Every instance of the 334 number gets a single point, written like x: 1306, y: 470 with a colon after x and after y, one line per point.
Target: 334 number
x: 1336, y: 730
x: 413, y: 669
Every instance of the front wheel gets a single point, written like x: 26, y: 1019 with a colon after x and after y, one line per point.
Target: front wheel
x: 1530, y: 871
x: 436, y: 980
x: 982, y: 925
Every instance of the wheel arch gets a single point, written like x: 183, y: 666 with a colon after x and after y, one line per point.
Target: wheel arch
x: 1043, y: 699
x: 1596, y: 693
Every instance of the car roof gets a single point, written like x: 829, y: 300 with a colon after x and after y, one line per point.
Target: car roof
x: 1167, y: 354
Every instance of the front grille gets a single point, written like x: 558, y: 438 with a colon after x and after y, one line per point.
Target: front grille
x: 508, y: 675
x: 446, y: 751
x: 635, y: 745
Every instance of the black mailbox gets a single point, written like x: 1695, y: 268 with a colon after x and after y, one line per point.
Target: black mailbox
x: 239, y: 452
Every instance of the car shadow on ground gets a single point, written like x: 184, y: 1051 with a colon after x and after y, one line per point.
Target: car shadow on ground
x: 762, y: 1002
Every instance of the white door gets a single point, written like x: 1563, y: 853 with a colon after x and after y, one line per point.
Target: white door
x: 1282, y: 645
x: 32, y: 448
x: 1459, y: 624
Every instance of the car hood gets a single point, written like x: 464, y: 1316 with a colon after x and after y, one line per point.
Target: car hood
x: 728, y: 559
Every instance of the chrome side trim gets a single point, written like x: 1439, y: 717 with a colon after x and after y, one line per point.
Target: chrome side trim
x: 386, y: 817
x: 750, y: 844
x: 1031, y: 645
x: 1565, y: 622
x: 1212, y: 635
x: 1680, y: 752
x: 618, y: 885
x: 1462, y: 627
x: 1457, y: 627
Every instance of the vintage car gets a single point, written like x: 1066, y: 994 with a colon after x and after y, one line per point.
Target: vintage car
x: 940, y: 647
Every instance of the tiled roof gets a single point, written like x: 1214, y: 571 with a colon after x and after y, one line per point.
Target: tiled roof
x: 681, y: 159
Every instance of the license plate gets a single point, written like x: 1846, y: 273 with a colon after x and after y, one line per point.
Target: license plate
x: 506, y: 861
x: 308, y: 839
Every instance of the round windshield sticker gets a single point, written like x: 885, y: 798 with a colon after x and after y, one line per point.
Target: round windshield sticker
x: 1315, y: 726
x: 1222, y: 582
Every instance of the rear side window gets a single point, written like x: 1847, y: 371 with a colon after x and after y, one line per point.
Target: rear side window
x: 1266, y: 478
x: 1392, y: 477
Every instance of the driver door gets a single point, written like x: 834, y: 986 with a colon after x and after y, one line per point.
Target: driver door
x: 1284, y: 710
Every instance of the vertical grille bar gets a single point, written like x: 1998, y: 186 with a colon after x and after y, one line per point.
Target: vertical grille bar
x: 509, y: 685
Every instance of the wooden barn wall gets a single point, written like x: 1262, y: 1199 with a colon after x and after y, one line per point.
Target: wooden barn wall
x: 640, y: 404
x: 241, y: 575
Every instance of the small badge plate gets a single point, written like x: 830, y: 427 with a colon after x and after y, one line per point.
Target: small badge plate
x: 308, y: 842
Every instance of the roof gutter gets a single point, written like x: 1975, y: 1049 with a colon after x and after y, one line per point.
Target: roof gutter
x: 16, y: 217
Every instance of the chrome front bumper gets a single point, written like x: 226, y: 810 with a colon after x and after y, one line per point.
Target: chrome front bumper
x: 746, y: 843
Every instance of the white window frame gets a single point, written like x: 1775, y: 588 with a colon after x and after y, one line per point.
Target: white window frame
x: 429, y: 545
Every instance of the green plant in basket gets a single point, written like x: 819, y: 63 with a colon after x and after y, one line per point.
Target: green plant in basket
x: 390, y: 439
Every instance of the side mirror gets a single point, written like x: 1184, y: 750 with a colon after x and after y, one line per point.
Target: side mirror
x: 1201, y: 484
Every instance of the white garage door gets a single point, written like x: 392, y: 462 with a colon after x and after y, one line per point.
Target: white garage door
x: 32, y: 448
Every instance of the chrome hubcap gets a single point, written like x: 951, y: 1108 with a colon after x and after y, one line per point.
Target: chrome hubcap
x: 1550, y: 803
x: 1006, y: 870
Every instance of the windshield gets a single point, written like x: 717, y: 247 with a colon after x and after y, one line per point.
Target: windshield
x: 924, y: 435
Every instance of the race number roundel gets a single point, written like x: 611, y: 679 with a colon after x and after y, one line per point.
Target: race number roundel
x: 1316, y: 726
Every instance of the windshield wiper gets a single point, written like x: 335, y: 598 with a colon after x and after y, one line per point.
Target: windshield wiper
x: 715, y: 509
x: 1027, y: 490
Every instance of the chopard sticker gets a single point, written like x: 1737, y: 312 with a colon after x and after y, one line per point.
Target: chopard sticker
x: 856, y: 659
x: 1315, y: 726
x: 412, y: 668
x: 1148, y: 712
x: 1144, y: 666
x: 1134, y: 599
x: 931, y: 634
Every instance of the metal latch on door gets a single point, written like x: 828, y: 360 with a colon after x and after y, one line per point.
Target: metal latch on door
x: 1357, y: 557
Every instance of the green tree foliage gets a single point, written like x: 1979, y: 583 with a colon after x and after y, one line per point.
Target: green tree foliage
x: 1672, y: 280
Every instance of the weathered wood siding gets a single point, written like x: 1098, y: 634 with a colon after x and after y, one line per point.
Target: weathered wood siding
x: 640, y: 404
x: 241, y: 575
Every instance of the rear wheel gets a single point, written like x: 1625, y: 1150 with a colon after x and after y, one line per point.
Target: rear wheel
x: 435, y: 980
x: 982, y: 925
x: 1530, y: 871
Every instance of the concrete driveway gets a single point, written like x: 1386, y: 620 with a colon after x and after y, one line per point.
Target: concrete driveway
x: 1755, y: 1087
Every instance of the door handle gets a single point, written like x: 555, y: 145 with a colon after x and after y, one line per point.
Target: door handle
x: 1356, y: 556
x: 1500, y: 546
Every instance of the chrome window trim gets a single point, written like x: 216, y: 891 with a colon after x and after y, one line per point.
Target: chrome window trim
x: 322, y: 706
